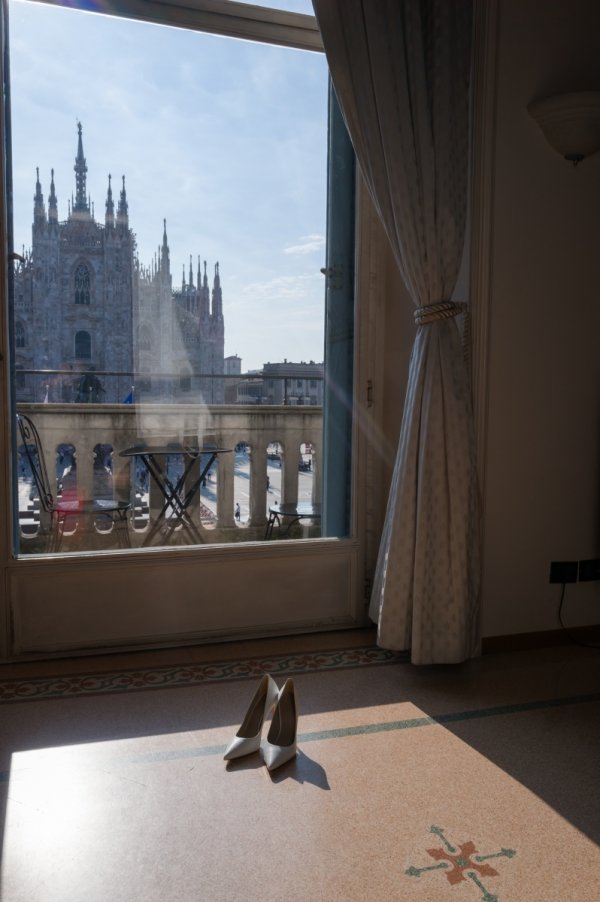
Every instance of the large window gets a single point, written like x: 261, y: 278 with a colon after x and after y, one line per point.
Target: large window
x: 202, y: 186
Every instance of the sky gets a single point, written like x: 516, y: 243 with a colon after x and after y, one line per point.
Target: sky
x: 225, y: 139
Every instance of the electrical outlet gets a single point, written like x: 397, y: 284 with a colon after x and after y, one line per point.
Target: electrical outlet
x: 563, y: 572
x: 589, y: 569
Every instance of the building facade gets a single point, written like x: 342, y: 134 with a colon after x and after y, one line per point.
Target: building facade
x: 91, y: 324
x: 293, y: 383
x: 283, y: 383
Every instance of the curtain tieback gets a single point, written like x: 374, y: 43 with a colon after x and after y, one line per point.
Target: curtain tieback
x: 445, y: 310
x: 442, y: 310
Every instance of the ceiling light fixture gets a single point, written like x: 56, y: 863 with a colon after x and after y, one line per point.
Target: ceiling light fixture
x: 570, y: 123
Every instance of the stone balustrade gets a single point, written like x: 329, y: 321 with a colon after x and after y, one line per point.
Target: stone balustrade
x: 119, y: 426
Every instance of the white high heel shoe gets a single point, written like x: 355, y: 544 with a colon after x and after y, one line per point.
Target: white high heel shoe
x: 247, y: 738
x: 281, y: 738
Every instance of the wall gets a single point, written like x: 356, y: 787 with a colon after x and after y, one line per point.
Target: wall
x: 542, y: 462
x: 541, y: 447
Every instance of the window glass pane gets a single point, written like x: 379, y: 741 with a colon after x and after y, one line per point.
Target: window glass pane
x: 171, y: 261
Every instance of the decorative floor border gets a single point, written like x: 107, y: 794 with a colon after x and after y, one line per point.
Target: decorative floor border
x: 174, y: 676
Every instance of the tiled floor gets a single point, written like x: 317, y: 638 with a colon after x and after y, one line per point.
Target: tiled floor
x: 477, y: 782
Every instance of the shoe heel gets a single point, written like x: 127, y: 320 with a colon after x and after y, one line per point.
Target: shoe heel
x: 281, y: 744
x: 247, y: 739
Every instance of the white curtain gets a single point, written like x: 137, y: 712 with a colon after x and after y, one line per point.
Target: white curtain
x: 401, y: 71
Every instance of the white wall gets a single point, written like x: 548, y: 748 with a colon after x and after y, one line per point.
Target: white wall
x: 542, y: 491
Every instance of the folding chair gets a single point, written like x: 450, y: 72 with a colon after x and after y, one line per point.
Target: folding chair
x: 60, y: 511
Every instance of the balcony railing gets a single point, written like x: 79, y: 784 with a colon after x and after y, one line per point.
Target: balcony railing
x: 275, y: 457
x: 90, y: 385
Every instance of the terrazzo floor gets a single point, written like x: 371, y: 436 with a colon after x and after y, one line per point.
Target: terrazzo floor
x: 476, y: 782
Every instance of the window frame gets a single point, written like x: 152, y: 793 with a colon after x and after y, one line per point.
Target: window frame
x: 224, y: 17
x: 19, y: 575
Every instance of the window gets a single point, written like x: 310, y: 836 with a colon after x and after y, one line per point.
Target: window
x: 83, y: 345
x: 260, y: 142
x: 20, y: 335
x: 144, y: 383
x: 82, y: 285
x: 145, y: 338
x: 262, y: 302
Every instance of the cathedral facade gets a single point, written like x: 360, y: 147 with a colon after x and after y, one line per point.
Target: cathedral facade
x: 91, y: 324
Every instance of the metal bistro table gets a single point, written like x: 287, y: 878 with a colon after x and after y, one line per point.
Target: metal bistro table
x: 303, y: 510
x: 172, y: 492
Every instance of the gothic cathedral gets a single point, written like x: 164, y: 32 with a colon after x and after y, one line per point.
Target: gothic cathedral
x: 116, y: 330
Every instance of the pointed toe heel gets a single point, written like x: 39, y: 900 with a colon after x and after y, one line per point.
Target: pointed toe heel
x: 281, y: 744
x: 247, y: 738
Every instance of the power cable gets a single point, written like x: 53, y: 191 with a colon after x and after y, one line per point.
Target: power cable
x: 566, y: 628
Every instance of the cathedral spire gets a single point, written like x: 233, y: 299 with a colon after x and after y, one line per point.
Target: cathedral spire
x: 191, y: 273
x: 52, y: 204
x: 122, y: 211
x: 39, y: 210
x: 204, y: 292
x: 110, y: 207
x: 217, y: 296
x: 81, y: 204
x: 165, y: 264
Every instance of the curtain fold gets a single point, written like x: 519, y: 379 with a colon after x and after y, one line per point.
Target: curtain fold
x: 401, y: 69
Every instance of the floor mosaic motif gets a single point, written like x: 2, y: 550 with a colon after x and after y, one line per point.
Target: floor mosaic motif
x: 460, y: 863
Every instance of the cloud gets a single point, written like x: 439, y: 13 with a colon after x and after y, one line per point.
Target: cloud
x: 282, y: 288
x: 307, y: 245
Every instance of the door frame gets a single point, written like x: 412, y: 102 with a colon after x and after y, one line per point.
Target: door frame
x: 59, y: 606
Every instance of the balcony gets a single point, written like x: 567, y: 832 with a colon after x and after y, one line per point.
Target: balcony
x: 275, y: 458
